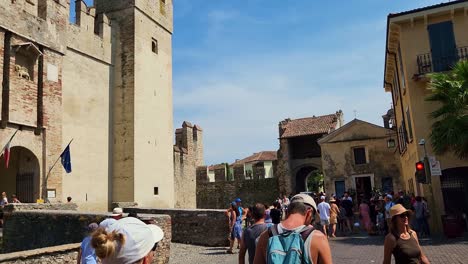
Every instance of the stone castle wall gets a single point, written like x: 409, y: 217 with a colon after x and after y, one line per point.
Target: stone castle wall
x: 80, y: 83
x: 187, y: 148
x: 194, y: 226
x: 219, y: 194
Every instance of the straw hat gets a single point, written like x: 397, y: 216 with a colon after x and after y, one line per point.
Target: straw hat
x: 398, y: 209
x: 332, y: 200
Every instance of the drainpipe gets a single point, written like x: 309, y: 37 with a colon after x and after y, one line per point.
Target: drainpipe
x: 6, y: 80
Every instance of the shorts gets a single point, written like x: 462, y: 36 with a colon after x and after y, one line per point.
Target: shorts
x: 324, y: 221
x: 236, y: 231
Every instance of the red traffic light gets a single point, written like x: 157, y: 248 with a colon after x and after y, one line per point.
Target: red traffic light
x: 420, y: 166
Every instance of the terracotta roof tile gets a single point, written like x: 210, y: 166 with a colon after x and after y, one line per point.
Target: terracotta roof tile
x: 309, y: 126
x: 260, y: 156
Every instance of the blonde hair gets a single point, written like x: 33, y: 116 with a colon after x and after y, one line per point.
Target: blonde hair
x: 105, y: 243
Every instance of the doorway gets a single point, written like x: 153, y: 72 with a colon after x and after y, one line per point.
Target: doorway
x: 22, y: 175
x: 363, y: 186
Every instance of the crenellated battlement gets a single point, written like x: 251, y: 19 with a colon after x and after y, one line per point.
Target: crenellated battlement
x: 90, y: 33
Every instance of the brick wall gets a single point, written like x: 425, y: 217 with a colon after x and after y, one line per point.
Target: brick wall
x: 197, y: 227
x: 28, y: 229
x: 218, y: 195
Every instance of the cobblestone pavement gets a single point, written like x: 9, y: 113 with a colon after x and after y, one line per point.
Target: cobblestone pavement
x: 346, y: 250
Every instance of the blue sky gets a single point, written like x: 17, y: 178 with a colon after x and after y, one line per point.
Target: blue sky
x: 240, y: 67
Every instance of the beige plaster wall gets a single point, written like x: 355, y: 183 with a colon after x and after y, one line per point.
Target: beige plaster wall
x: 414, y: 40
x: 86, y: 120
x: 338, y: 157
x: 153, y: 115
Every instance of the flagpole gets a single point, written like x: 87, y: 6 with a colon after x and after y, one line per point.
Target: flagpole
x: 11, y: 138
x: 55, y: 163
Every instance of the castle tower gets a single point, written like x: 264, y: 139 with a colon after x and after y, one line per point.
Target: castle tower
x: 198, y: 145
x: 142, y: 161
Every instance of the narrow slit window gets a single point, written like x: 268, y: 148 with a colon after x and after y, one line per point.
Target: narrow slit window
x: 156, y: 190
x: 154, y: 46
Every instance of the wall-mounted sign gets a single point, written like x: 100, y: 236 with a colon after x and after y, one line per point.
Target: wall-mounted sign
x: 51, y: 193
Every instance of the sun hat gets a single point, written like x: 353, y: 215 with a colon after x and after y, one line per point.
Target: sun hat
x: 332, y: 200
x: 398, y: 209
x: 140, y: 238
x: 117, y: 211
x: 107, y: 222
x: 305, y: 199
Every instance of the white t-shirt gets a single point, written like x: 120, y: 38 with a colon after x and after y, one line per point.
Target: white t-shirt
x: 324, y: 209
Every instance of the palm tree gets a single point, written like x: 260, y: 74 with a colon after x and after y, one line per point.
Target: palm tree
x: 450, y: 127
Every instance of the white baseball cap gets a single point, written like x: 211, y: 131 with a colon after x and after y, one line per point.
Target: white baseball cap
x: 140, y: 238
x: 322, y: 197
x: 305, y: 199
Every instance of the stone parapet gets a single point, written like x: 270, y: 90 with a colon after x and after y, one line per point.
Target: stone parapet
x: 36, y: 206
x: 50, y: 255
x: 27, y: 230
x: 194, y: 226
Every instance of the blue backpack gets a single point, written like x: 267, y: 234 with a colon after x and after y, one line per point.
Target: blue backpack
x: 291, y: 247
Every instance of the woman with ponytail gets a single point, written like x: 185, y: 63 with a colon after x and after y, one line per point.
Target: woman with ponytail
x: 127, y: 241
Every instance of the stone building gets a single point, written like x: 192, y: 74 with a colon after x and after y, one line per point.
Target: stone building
x: 357, y: 156
x: 299, y: 153
x: 104, y: 81
x: 188, y: 155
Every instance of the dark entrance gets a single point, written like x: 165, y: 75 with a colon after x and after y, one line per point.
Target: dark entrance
x: 363, y: 186
x: 301, y: 178
x: 22, y: 175
x: 454, y: 184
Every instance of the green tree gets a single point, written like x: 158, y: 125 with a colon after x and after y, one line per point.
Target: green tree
x: 449, y: 130
x: 315, y: 181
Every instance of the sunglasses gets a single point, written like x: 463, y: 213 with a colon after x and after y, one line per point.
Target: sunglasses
x: 404, y: 215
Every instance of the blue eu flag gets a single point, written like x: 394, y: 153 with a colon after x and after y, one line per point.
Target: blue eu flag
x: 66, y: 159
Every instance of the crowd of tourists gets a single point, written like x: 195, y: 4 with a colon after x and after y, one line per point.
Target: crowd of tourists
x: 297, y: 229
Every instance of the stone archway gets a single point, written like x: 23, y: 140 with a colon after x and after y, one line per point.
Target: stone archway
x: 22, y: 177
x: 301, y: 178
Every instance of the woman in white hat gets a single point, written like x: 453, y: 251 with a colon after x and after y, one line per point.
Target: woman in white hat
x: 401, y: 241
x: 127, y: 241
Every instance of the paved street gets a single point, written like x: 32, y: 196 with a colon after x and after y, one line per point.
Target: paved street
x: 346, y: 250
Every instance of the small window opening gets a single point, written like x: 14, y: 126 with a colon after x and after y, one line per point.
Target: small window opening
x: 154, y: 46
x: 156, y: 190
x: 359, y: 156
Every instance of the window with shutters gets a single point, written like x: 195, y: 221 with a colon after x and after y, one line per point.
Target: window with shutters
x: 359, y: 155
x: 402, y: 137
x: 402, y: 71
x: 396, y: 89
x: 410, y: 126
x: 443, y: 48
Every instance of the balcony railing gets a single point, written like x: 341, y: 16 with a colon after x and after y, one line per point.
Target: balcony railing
x: 428, y: 64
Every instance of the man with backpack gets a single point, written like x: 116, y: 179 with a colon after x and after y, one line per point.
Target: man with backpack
x: 250, y: 235
x: 294, y: 240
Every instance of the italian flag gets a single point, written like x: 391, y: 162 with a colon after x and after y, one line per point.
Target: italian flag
x: 6, y: 150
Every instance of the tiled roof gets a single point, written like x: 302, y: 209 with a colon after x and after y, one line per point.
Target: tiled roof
x: 309, y: 126
x: 260, y: 156
x: 426, y: 8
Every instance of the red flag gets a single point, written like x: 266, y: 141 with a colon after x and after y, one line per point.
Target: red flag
x: 6, y: 154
